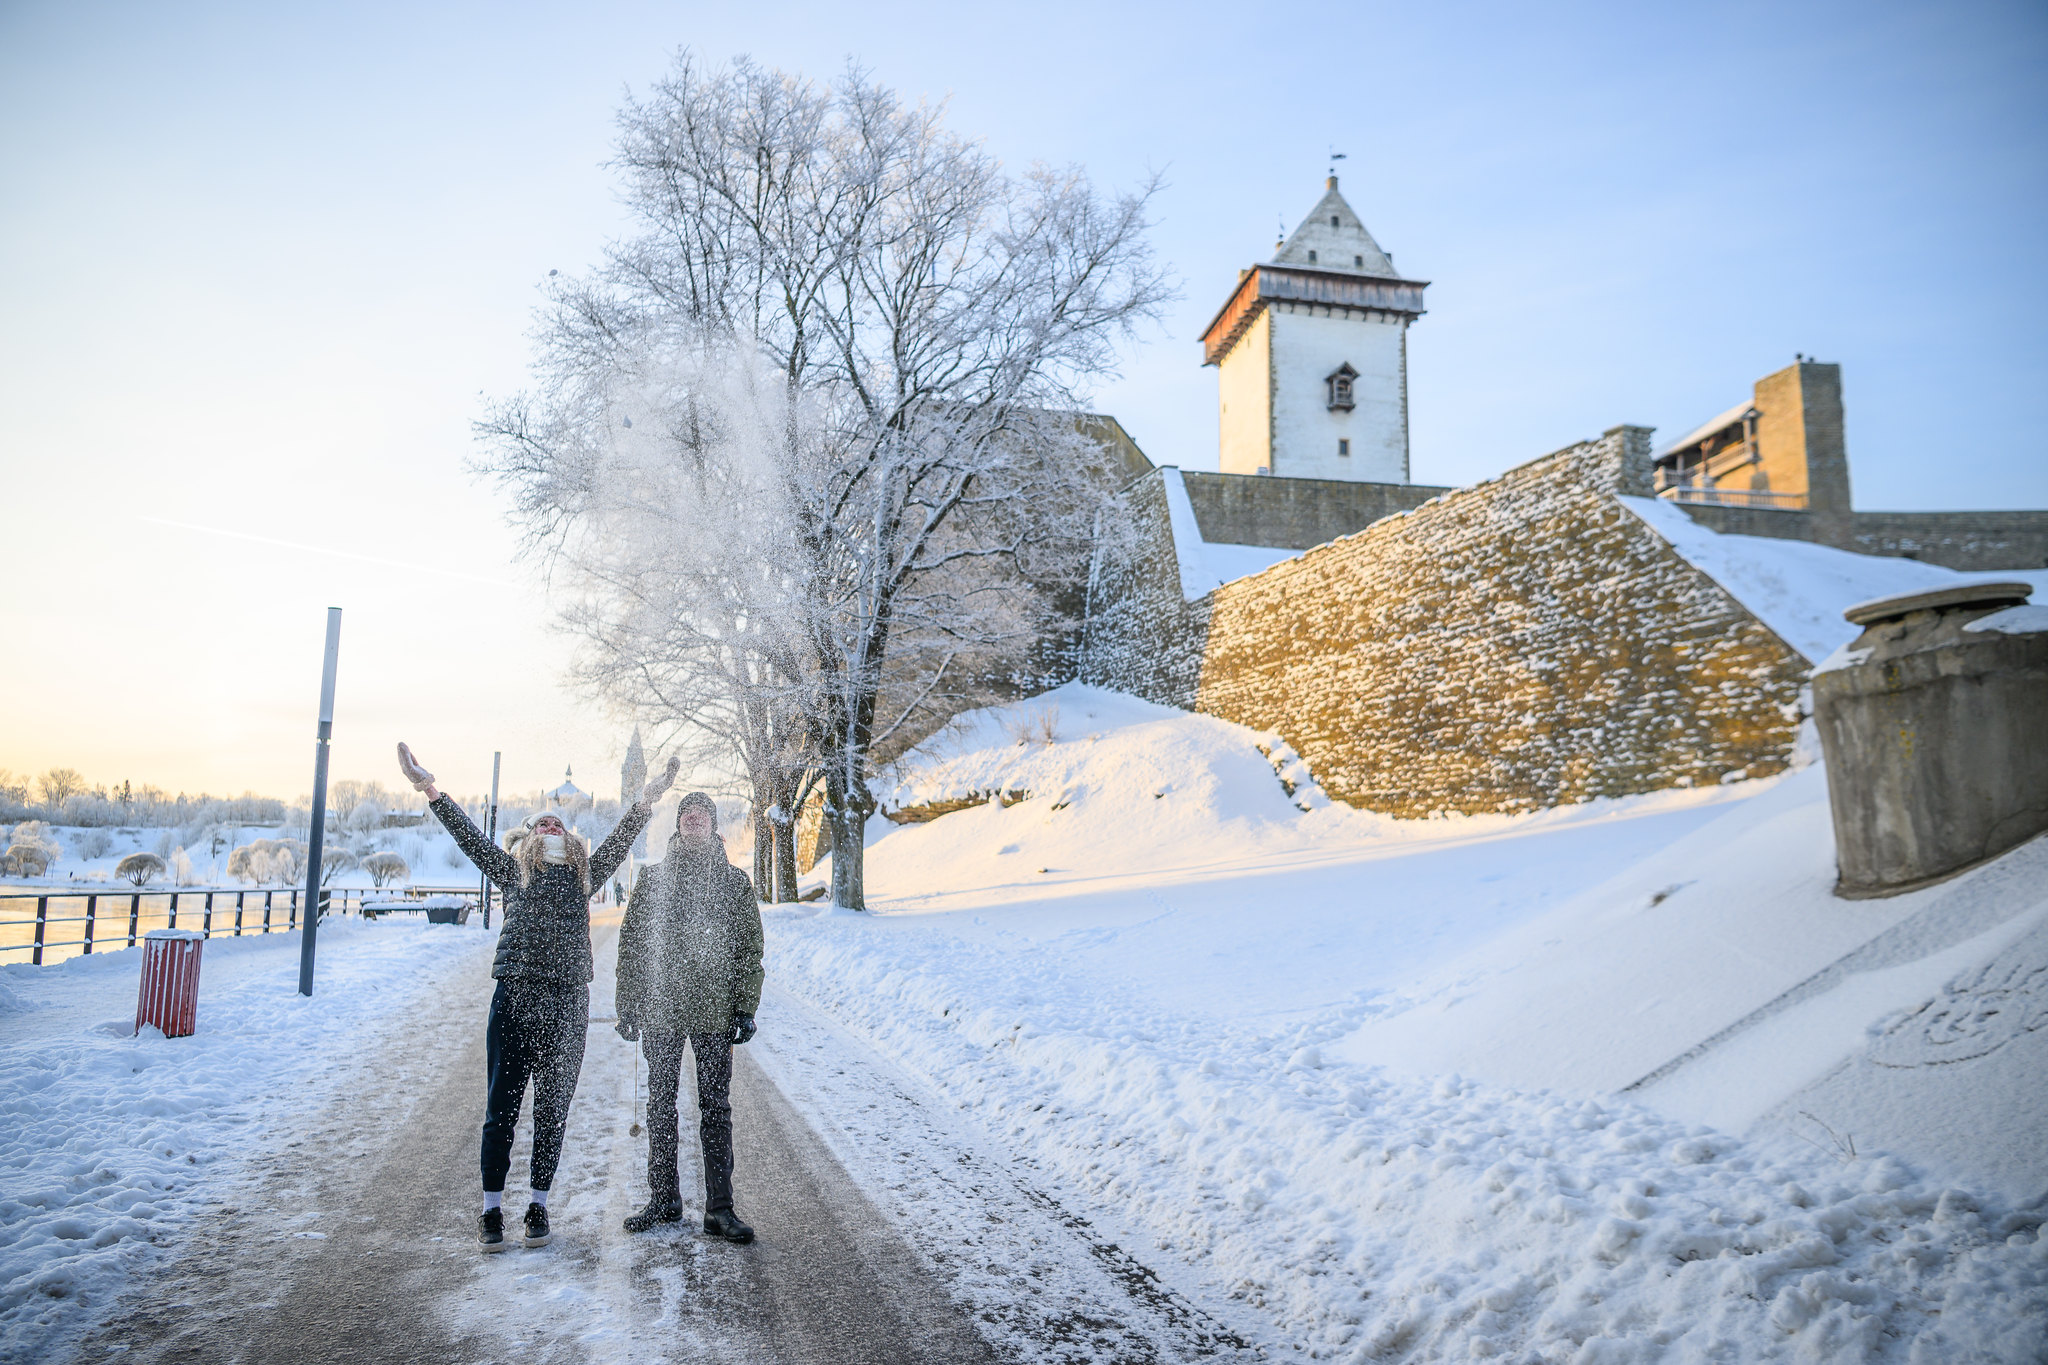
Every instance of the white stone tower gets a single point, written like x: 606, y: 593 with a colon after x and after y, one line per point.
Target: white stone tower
x: 1312, y: 356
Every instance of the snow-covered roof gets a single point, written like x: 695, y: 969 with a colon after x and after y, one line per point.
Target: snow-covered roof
x: 1345, y: 247
x: 568, y: 791
x: 1706, y: 429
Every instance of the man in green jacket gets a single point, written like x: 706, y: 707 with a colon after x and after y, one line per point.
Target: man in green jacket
x: 690, y: 972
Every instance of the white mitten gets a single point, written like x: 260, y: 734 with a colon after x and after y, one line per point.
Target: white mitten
x: 661, y: 782
x: 420, y: 778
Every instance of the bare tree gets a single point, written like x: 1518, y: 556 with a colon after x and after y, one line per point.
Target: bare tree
x: 859, y: 344
x: 59, y: 784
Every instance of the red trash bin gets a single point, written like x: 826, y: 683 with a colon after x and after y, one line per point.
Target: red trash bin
x: 169, y: 997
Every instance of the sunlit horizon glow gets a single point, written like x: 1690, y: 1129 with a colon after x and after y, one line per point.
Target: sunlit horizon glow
x: 272, y: 262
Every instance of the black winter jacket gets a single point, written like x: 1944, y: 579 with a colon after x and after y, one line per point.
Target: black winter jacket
x: 546, y: 935
x: 691, y: 945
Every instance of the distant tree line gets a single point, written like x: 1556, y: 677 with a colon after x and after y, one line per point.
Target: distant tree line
x: 61, y: 796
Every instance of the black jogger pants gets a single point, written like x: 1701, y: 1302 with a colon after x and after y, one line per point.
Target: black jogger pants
x: 664, y: 1051
x: 536, y: 1033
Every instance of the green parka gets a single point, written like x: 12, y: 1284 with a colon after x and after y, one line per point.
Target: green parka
x: 690, y: 948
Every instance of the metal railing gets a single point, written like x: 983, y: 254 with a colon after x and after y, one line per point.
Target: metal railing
x: 112, y: 920
x: 1735, y: 497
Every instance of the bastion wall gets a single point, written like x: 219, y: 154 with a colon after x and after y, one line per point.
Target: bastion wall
x: 1522, y: 643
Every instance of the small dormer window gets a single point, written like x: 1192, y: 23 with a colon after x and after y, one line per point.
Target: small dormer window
x: 1358, y: 261
x: 1311, y: 258
x: 1333, y: 220
x: 1339, y: 384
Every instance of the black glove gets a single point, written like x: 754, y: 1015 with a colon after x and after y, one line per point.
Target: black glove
x: 742, y: 1028
x: 629, y: 1029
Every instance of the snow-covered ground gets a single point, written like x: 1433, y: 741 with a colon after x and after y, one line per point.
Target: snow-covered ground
x: 1364, y: 1082
x: 114, y: 1146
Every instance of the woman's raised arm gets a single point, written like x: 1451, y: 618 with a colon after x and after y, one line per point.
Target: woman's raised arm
x: 494, y: 862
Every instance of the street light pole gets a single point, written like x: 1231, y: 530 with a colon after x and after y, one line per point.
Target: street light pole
x: 311, y: 930
x: 491, y: 833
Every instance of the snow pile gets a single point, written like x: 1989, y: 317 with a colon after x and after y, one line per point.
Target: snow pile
x: 1358, y: 1081
x: 1083, y: 781
x: 111, y: 1142
x: 1798, y: 589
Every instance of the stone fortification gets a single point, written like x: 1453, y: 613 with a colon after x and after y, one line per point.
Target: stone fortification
x: 1293, y: 514
x: 1967, y: 541
x: 1526, y: 642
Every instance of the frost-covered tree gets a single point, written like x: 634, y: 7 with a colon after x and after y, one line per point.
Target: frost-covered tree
x: 385, y: 868
x: 859, y: 343
x: 140, y: 868
x: 334, y: 862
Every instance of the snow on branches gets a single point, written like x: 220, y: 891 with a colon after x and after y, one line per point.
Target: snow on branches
x: 804, y: 450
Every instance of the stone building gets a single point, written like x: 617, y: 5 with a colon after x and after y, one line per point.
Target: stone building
x: 1778, y: 465
x: 1311, y: 351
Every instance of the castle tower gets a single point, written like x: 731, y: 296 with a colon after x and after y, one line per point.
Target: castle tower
x: 632, y: 778
x: 1311, y: 352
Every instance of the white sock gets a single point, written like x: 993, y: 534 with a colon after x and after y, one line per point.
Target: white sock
x: 492, y: 1199
x: 540, y: 1197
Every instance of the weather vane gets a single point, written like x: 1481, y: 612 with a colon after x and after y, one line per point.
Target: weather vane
x: 1335, y: 157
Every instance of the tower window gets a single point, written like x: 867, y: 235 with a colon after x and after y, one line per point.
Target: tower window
x: 1311, y: 258
x: 1338, y: 382
x: 1343, y: 446
x: 1333, y: 220
x: 1358, y: 261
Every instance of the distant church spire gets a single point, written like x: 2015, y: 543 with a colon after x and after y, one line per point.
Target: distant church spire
x: 633, y: 777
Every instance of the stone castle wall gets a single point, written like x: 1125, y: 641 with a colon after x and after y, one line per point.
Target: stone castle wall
x: 1966, y: 541
x: 1293, y: 514
x: 1522, y: 643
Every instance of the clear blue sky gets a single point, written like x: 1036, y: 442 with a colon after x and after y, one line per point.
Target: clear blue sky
x: 262, y: 259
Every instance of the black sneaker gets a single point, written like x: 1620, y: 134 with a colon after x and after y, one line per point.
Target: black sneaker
x: 657, y: 1211
x: 725, y: 1223
x: 536, y: 1226
x: 490, y: 1230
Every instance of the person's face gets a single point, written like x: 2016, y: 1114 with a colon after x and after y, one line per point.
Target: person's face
x: 694, y: 824
x: 548, y: 824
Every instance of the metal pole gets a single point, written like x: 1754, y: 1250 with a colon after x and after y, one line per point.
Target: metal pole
x: 491, y: 833
x: 311, y: 931
x: 42, y: 922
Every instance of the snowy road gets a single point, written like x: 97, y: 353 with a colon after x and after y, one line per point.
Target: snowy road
x: 354, y: 1241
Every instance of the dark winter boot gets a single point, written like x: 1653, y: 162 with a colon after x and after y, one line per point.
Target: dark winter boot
x: 725, y: 1223
x: 537, y: 1233
x: 490, y: 1230
x: 657, y: 1211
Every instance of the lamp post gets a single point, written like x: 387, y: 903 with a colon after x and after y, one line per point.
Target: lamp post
x: 491, y: 833
x: 311, y: 930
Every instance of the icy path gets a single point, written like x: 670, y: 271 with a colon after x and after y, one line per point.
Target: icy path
x: 344, y: 1226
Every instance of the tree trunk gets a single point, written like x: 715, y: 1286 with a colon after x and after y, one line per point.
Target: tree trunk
x: 846, y: 814
x: 764, y: 856
x: 785, y: 858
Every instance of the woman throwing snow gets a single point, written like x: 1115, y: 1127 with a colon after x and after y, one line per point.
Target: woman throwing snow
x: 542, y: 1005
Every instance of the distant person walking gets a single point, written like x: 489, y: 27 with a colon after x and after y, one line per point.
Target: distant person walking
x: 542, y: 1005
x: 690, y: 973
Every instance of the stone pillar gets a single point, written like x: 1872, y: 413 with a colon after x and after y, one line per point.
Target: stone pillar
x: 1935, y: 726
